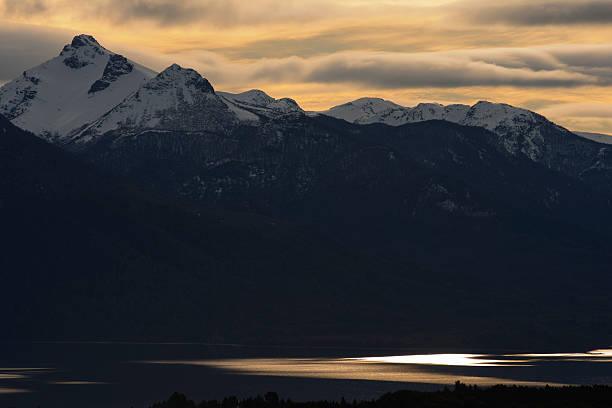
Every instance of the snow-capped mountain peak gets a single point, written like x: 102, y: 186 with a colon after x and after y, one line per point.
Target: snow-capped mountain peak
x: 82, y: 51
x: 369, y: 110
x: 64, y: 94
x: 84, y: 40
x: 254, y: 96
x: 490, y: 115
x: 249, y: 106
x: 519, y: 130
x: 175, y: 77
x: 177, y: 99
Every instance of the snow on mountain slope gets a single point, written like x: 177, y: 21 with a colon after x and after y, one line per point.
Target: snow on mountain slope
x: 430, y: 111
x: 369, y: 110
x: 376, y: 110
x: 75, y: 88
x: 177, y: 99
x: 596, y: 137
x: 250, y: 105
x: 519, y: 129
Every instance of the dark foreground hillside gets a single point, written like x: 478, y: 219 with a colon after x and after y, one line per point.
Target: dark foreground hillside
x: 519, y: 253
x: 86, y: 256
x: 462, y: 395
x: 438, y: 193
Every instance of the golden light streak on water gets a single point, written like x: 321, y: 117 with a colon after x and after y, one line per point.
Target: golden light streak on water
x: 462, y: 360
x: 4, y: 390
x: 79, y: 382
x: 345, y: 369
x: 593, y: 355
x: 24, y: 369
x: 4, y: 376
x: 416, y: 368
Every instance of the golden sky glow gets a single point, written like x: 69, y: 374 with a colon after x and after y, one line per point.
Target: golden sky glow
x: 553, y: 56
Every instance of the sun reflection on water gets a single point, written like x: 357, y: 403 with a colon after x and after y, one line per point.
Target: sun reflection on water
x: 594, y: 355
x: 6, y: 390
x: 9, y: 374
x: 415, y: 368
x: 462, y: 360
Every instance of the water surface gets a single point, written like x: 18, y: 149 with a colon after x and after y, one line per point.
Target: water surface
x: 139, y: 374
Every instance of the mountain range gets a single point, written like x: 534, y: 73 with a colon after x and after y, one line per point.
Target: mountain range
x: 507, y: 214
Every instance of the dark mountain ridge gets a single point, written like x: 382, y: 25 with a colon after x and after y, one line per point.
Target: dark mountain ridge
x: 375, y: 184
x: 88, y: 256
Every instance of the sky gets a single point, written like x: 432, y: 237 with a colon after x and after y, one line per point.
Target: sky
x: 551, y: 56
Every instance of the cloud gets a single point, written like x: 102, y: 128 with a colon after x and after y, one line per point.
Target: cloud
x: 23, y: 7
x: 581, y: 116
x: 170, y: 12
x: 581, y: 110
x: 221, y: 13
x: 444, y: 70
x: 547, y: 12
x: 537, y: 67
x: 163, y: 12
x: 525, y: 68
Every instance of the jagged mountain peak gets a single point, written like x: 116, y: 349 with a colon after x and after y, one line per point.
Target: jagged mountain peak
x: 377, y: 103
x: 497, y: 107
x: 82, y: 51
x: 363, y: 110
x: 373, y: 110
x: 430, y: 106
x: 367, y: 99
x: 490, y: 115
x: 175, y: 69
x: 68, y: 92
x: 519, y: 130
x: 260, y: 98
x: 177, y: 76
x: 249, y: 106
x: 254, y: 96
x: 84, y: 40
x: 176, y: 99
x: 367, y: 110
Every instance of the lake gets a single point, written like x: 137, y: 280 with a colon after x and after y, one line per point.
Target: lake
x: 139, y: 374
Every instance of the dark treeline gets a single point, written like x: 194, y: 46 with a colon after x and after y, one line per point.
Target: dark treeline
x: 461, y: 396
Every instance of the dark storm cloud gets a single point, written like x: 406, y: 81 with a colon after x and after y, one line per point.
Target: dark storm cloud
x: 540, y: 12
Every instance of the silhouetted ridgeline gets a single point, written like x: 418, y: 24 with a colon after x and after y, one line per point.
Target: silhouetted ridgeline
x: 461, y: 396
